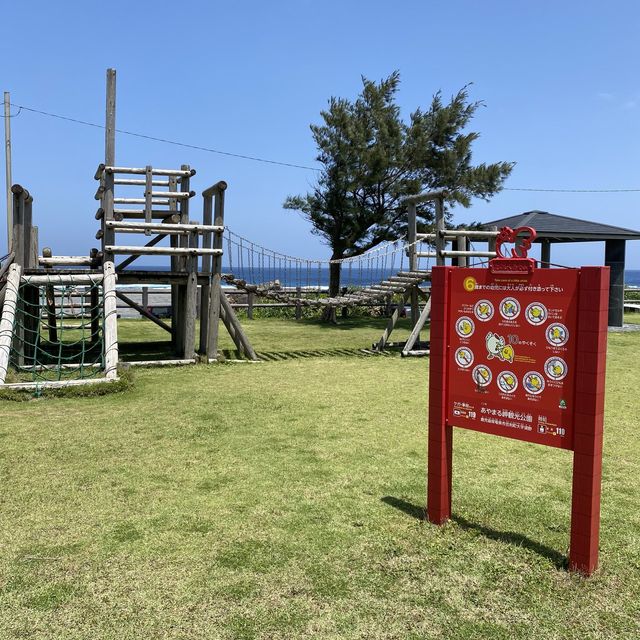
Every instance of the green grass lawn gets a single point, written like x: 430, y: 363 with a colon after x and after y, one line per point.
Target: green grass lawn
x: 284, y: 500
x: 272, y: 338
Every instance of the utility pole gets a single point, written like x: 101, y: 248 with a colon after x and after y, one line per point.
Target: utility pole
x: 7, y: 157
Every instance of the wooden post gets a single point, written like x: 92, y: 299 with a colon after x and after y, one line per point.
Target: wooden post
x: 491, y: 243
x: 19, y: 196
x: 190, y: 312
x: 23, y: 247
x: 148, y: 201
x: 298, y: 303
x: 110, y: 117
x: 174, y: 241
x: 108, y: 236
x: 181, y: 265
x: 217, y: 191
x: 110, y: 320
x: 51, y: 303
x: 31, y: 293
x: 145, y: 297
x: 205, y: 289
x: 412, y: 232
x: 8, y: 318
x: 461, y: 245
x: 250, y: 300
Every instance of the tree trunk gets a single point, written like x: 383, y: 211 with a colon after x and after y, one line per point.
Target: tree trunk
x: 334, y: 278
x: 329, y: 314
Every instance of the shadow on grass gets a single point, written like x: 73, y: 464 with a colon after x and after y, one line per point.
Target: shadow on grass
x: 356, y: 322
x: 150, y: 350
x: 321, y: 353
x: 509, y: 537
x: 161, y: 350
x: 412, y: 510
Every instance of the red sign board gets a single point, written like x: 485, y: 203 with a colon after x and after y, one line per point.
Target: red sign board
x: 520, y: 352
x: 511, y: 339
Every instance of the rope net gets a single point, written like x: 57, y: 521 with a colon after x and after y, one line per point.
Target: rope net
x: 58, y: 332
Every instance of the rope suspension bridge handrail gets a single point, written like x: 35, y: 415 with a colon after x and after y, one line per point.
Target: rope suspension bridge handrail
x: 384, y: 248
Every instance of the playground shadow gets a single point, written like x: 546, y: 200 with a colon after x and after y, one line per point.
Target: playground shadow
x: 322, y: 353
x: 161, y: 350
x: 512, y: 538
x: 151, y: 350
x: 375, y: 323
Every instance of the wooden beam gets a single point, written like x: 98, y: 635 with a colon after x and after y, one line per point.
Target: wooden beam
x: 125, y: 263
x: 63, y: 279
x: 162, y: 227
x: 235, y: 323
x: 142, y: 311
x: 391, y: 323
x: 415, y: 333
x: 180, y: 173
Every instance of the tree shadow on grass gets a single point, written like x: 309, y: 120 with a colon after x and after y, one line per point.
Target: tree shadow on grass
x: 509, y: 537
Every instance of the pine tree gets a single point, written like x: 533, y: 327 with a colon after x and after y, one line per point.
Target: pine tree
x: 371, y: 158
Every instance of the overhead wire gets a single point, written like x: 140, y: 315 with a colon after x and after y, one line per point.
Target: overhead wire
x: 294, y: 165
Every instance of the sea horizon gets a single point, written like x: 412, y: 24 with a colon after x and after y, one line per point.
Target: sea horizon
x: 320, y: 275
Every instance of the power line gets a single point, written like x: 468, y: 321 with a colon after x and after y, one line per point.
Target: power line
x: 276, y: 162
x: 173, y: 142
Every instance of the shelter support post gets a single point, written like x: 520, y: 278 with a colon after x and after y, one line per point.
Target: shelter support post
x: 614, y: 258
x: 545, y: 253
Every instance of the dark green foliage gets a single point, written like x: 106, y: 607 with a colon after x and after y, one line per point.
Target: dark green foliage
x: 371, y: 158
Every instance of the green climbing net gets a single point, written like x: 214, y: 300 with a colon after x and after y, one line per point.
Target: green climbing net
x: 58, y: 332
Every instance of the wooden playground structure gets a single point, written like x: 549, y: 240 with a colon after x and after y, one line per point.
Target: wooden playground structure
x: 45, y: 296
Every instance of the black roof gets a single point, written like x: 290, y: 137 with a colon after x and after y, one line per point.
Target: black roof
x: 550, y: 226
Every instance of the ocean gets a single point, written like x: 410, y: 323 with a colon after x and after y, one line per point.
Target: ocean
x: 632, y: 278
x: 319, y: 276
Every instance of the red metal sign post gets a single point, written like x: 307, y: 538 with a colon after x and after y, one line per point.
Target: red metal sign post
x: 520, y: 352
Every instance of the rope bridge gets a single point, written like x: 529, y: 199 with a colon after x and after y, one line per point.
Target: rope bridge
x: 373, y: 276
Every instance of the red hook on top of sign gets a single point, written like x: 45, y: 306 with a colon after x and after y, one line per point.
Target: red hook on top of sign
x: 517, y: 262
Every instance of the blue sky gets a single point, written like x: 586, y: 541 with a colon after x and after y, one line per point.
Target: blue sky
x: 560, y: 82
